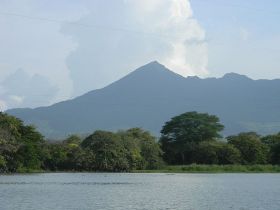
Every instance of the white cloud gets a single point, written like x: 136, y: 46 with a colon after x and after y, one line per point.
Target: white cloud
x: 3, y: 106
x: 37, y: 45
x: 187, y: 52
x: 131, y: 33
x: 122, y: 35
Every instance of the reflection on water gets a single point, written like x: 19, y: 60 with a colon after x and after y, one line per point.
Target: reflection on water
x: 78, y: 191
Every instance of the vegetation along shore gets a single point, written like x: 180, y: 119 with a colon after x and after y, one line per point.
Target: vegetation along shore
x: 189, y: 143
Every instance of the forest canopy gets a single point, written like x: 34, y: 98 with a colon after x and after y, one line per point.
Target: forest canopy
x: 188, y: 138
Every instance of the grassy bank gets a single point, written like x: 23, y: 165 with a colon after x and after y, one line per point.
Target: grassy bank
x: 194, y: 168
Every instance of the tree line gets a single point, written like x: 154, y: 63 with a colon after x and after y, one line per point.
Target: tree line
x: 194, y: 138
x: 22, y: 148
x: 188, y: 138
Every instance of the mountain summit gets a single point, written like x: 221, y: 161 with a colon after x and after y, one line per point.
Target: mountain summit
x: 153, y: 72
x: 152, y: 94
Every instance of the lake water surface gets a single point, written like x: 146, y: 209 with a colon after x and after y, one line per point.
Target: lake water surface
x: 105, y: 191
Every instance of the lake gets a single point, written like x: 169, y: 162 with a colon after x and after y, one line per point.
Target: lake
x: 105, y: 191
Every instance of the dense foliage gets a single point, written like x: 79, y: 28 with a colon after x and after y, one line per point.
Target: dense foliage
x: 252, y: 150
x: 186, y: 139
x: 105, y: 151
x: 194, y: 138
x: 182, y: 135
x: 22, y: 148
x: 273, y: 144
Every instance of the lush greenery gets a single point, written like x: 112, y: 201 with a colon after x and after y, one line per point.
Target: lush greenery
x: 182, y: 135
x: 194, y: 138
x: 191, y: 138
x: 23, y: 149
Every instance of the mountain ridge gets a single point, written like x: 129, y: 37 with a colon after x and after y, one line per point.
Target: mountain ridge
x: 152, y: 94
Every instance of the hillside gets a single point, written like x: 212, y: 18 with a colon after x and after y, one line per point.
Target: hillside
x: 152, y: 94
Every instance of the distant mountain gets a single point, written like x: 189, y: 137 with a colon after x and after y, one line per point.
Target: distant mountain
x: 152, y: 94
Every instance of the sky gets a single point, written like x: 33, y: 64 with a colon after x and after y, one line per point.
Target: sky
x: 55, y: 50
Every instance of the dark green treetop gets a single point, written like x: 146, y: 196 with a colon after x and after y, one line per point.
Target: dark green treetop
x: 182, y: 134
x: 192, y: 127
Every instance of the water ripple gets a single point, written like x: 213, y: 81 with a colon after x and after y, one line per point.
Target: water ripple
x: 67, y: 183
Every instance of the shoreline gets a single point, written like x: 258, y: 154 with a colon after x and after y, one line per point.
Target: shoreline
x: 191, y: 169
x: 194, y: 168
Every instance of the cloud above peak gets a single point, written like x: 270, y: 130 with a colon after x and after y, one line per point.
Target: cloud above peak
x: 78, y: 46
x: 126, y: 34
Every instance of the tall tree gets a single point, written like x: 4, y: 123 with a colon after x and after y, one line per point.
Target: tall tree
x: 182, y: 134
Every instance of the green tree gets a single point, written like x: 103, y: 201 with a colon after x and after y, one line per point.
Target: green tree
x: 214, y: 152
x: 8, y: 153
x: 55, y: 156
x: 207, y: 153
x: 273, y: 143
x: 252, y: 150
x: 132, y: 150
x: 30, y: 151
x: 110, y: 154
x: 275, y: 154
x: 60, y: 156
x: 228, y: 154
x: 20, y: 145
x: 147, y: 149
x: 182, y: 134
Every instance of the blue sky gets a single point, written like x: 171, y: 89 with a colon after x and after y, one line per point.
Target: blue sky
x: 243, y: 36
x: 106, y: 40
